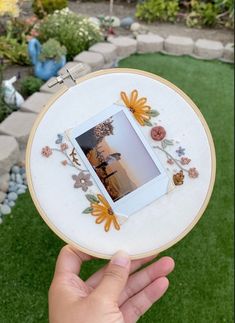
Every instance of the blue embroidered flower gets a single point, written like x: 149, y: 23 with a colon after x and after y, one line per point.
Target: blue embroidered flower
x: 180, y: 151
x: 59, y: 139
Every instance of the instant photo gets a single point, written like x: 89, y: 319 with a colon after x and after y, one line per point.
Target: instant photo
x: 118, y: 156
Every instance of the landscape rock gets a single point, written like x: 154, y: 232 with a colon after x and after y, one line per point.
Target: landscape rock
x: 4, y: 182
x: 36, y: 102
x: 126, y: 22
x: 149, y: 43
x: 12, y: 196
x: 2, y: 196
x: 208, y: 49
x: 125, y: 45
x: 5, y: 209
x: 11, y: 203
x: 229, y: 53
x: 178, y: 45
x: 94, y: 60
x: 15, y: 169
x: 18, y: 125
x: 9, y: 153
x: 107, y: 50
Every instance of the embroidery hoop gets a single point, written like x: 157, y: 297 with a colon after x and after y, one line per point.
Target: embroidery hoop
x: 192, y: 106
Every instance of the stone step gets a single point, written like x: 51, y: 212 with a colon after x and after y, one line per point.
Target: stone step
x: 228, y: 53
x: 125, y: 45
x: 18, y: 125
x: 149, y: 43
x: 94, y: 60
x: 179, y: 45
x: 9, y: 153
x: 106, y: 49
x: 36, y: 102
x: 208, y: 49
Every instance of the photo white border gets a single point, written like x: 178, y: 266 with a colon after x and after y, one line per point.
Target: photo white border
x: 141, y: 196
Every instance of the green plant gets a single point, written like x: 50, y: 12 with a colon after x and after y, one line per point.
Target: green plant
x: 75, y: 32
x: 29, y: 85
x: 43, y: 7
x: 13, y: 51
x: 202, y: 13
x: 162, y: 10
x: 52, y: 49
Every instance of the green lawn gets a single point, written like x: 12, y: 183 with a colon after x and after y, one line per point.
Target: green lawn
x: 201, y: 287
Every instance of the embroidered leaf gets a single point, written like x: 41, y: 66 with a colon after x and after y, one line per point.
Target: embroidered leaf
x: 147, y: 123
x: 59, y: 139
x: 73, y: 154
x: 154, y: 113
x: 92, y: 198
x: 163, y: 144
x: 168, y: 142
x: 87, y: 210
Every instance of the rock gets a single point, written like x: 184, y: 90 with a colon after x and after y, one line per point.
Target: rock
x: 208, y: 49
x: 11, y: 203
x: 9, y: 152
x: 228, y: 53
x: 4, y: 182
x: 12, y: 196
x: 94, y: 60
x: 107, y: 50
x: 5, y: 209
x: 178, y: 45
x: 125, y: 45
x: 36, y: 102
x: 135, y: 26
x: 15, y: 169
x: 22, y: 171
x: 13, y: 177
x: 115, y: 21
x: 18, y: 125
x: 12, y: 189
x: 149, y: 43
x: 94, y: 20
x: 126, y: 22
x: 22, y: 186
x: 19, y: 179
x: 2, y: 196
x: 21, y: 191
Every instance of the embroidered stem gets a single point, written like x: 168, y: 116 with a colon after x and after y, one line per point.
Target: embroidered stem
x: 69, y: 161
x: 171, y: 157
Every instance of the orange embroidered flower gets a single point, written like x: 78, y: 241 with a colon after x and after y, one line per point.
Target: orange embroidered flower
x: 46, y: 151
x: 138, y: 107
x: 103, y: 212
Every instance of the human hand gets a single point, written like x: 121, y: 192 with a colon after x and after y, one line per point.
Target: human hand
x: 114, y: 294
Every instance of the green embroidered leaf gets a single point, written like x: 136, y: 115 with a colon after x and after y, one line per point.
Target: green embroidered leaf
x: 147, y: 123
x: 87, y: 210
x: 92, y: 198
x: 168, y: 142
x: 154, y: 113
x: 163, y: 144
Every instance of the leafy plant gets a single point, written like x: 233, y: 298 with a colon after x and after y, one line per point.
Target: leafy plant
x: 43, y: 7
x: 202, y: 14
x: 75, y: 32
x: 15, y: 52
x: 154, y: 10
x: 29, y: 85
x: 52, y: 50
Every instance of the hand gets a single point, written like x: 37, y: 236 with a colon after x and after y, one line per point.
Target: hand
x: 114, y: 294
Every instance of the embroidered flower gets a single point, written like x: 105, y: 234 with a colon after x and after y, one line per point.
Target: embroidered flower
x: 63, y: 147
x: 82, y: 181
x: 138, y: 107
x: 180, y: 151
x: 158, y: 133
x: 185, y: 160
x: 46, y: 151
x: 170, y: 161
x: 178, y: 178
x: 64, y: 162
x: 103, y: 212
x: 193, y: 173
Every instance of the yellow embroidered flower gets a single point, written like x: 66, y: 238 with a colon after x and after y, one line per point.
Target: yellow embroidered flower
x: 103, y: 212
x: 141, y: 111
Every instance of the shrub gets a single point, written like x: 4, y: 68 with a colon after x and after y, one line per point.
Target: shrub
x: 162, y: 10
x: 15, y: 52
x: 75, y: 32
x: 43, y: 7
x: 29, y: 85
x: 202, y: 14
x: 52, y: 49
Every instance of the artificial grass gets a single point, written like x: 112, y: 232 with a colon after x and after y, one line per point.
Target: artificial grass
x: 201, y: 288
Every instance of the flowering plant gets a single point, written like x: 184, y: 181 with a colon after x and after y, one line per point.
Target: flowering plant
x: 75, y: 32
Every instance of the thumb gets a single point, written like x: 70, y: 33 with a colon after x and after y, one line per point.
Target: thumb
x: 115, y: 277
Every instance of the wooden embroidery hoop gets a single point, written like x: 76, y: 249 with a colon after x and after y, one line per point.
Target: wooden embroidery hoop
x: 192, y: 105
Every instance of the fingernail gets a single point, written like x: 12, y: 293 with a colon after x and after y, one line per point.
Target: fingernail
x: 121, y: 258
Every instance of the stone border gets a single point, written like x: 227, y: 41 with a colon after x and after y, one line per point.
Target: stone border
x: 15, y: 129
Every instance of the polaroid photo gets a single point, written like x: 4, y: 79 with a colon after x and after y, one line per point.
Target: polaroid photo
x: 120, y: 160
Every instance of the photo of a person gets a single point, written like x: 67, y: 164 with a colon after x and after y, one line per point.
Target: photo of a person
x: 118, y: 156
